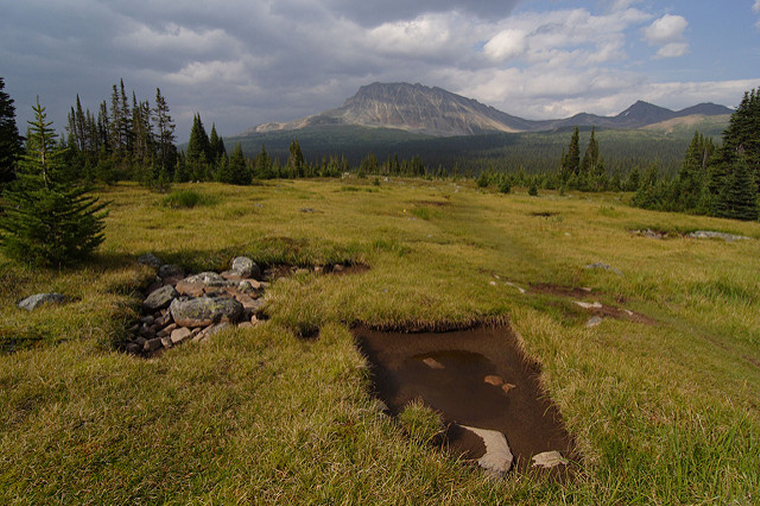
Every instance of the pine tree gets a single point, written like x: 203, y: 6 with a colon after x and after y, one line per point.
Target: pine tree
x: 738, y: 198
x: 216, y: 145
x: 296, y: 160
x: 10, y: 141
x: 591, y: 156
x: 238, y: 170
x: 166, y: 150
x: 263, y: 166
x: 49, y: 218
x: 571, y: 159
x: 198, y: 151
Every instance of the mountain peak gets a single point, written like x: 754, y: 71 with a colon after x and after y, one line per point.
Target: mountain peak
x: 434, y: 111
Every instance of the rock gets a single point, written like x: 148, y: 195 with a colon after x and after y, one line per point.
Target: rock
x: 494, y: 380
x: 134, y: 348
x: 166, y: 342
x: 492, y: 283
x: 167, y: 271
x: 547, y: 460
x: 594, y: 321
x: 507, y: 387
x: 190, y: 289
x: 167, y: 330
x: 432, y: 363
x: 246, y: 325
x: 140, y: 341
x: 519, y: 288
x: 150, y: 259
x: 589, y: 305
x: 180, y: 334
x: 710, y: 234
x: 231, y: 276
x: 245, y: 267
x: 498, y: 457
x: 210, y: 331
x: 40, y: 299
x: 606, y: 267
x: 249, y: 285
x: 161, y: 298
x: 152, y: 344
x: 147, y: 320
x: 203, y: 311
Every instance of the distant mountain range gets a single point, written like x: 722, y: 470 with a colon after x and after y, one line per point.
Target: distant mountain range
x: 436, y: 112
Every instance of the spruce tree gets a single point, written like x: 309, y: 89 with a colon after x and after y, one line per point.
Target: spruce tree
x: 296, y: 160
x: 10, y: 141
x: 738, y: 198
x: 571, y: 159
x: 49, y: 218
x: 165, y: 148
x: 216, y: 145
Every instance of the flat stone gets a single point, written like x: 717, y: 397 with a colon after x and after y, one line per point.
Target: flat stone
x: 498, y: 457
x: 494, y: 380
x: 40, y: 299
x: 588, y: 305
x: 191, y: 289
x: 161, y: 298
x: 180, y: 334
x: 594, y: 321
x: 150, y: 259
x: 508, y: 387
x: 432, y: 363
x: 207, y: 278
x: 204, y: 311
x: 245, y: 267
x: 166, y: 342
x: 249, y: 285
x: 147, y: 320
x: 547, y: 460
x: 133, y: 348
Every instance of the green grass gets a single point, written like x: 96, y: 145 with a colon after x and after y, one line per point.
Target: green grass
x: 188, y: 199
x: 664, y: 414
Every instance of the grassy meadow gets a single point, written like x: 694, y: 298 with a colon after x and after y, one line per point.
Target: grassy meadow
x: 663, y: 414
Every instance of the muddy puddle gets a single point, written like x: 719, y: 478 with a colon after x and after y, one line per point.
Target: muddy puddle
x: 476, y: 378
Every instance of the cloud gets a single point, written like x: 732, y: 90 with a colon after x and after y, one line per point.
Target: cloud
x: 668, y: 32
x: 756, y: 7
x: 667, y: 29
x: 254, y: 61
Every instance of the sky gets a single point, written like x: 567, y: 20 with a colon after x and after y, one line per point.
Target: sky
x: 240, y: 63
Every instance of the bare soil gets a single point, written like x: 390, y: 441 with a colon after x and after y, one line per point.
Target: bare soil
x: 406, y: 366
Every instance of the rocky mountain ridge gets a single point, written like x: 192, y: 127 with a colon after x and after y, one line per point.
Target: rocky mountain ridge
x: 437, y: 112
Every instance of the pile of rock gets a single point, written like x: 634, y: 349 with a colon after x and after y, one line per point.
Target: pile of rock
x: 179, y: 308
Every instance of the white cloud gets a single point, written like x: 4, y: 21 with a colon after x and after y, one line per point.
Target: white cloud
x: 668, y: 28
x: 506, y: 44
x: 673, y: 50
x: 668, y: 33
x: 756, y: 7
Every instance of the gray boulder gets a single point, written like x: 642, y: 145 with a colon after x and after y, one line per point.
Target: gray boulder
x: 150, y: 259
x: 204, y: 311
x: 33, y: 302
x: 207, y: 278
x: 245, y: 267
x: 161, y: 298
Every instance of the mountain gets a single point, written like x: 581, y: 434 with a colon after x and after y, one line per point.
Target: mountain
x: 436, y: 112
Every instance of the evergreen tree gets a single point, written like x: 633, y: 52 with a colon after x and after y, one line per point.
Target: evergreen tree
x: 198, y: 151
x: 591, y: 156
x: 571, y: 159
x: 296, y: 160
x: 238, y: 170
x: 263, y: 165
x: 742, y: 137
x: 216, y: 145
x: 738, y: 197
x: 166, y: 151
x: 10, y: 141
x: 49, y: 218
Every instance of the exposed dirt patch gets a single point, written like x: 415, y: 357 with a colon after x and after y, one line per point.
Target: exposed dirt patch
x: 562, y: 291
x: 544, y: 214
x: 476, y: 377
x: 605, y: 311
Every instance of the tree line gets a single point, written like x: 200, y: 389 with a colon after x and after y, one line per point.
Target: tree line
x: 722, y: 181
